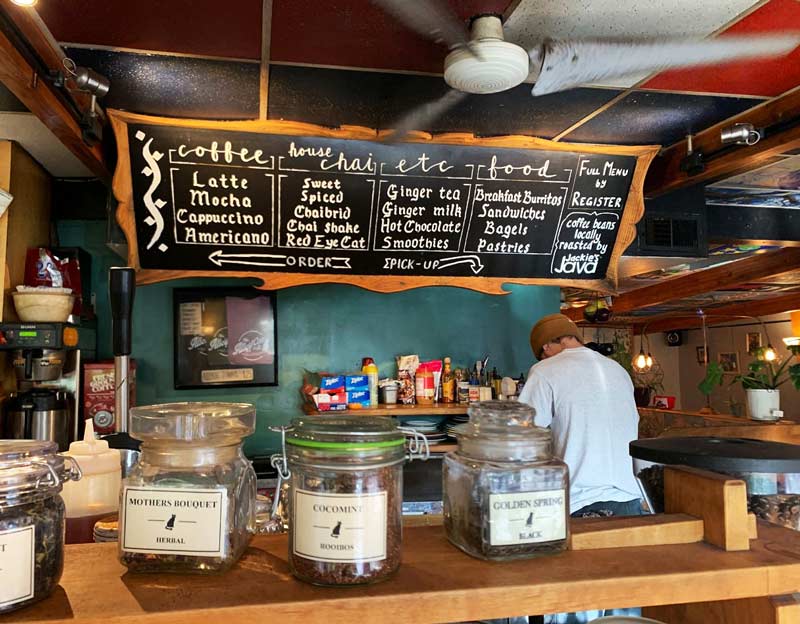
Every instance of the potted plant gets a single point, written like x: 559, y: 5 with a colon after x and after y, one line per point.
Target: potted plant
x: 761, y: 382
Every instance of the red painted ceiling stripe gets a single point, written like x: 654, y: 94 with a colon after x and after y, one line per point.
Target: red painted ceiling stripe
x: 355, y: 33
x: 205, y: 27
x: 765, y: 78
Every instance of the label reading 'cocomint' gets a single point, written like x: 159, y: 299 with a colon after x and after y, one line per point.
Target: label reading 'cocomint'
x: 527, y: 517
x: 340, y: 527
x: 179, y: 521
x: 16, y: 565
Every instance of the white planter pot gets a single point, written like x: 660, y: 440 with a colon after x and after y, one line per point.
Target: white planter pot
x: 762, y: 403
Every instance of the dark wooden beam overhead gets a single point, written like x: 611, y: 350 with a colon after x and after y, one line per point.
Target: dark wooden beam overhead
x: 665, y: 173
x: 747, y: 225
x: 23, y: 79
x: 753, y: 268
x: 722, y: 314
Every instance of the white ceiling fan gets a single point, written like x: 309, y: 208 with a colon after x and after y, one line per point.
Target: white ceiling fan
x: 482, y: 62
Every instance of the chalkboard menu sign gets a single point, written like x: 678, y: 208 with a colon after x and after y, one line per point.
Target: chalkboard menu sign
x: 212, y: 199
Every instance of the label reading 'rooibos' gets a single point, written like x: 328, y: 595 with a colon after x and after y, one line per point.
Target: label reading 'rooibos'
x: 340, y: 527
x: 179, y: 521
x: 16, y: 565
x: 527, y: 517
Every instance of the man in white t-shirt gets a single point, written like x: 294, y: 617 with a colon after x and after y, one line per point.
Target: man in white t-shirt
x: 587, y: 401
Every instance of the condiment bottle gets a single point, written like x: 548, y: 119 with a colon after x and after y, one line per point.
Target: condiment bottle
x: 448, y: 383
x: 371, y: 371
x: 97, y: 494
x: 425, y: 390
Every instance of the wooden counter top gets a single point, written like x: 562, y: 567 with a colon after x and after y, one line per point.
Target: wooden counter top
x: 436, y: 583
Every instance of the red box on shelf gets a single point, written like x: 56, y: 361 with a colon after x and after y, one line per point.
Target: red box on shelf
x: 98, y: 394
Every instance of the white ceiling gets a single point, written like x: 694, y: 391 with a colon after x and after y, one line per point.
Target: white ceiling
x: 39, y: 142
x: 534, y: 20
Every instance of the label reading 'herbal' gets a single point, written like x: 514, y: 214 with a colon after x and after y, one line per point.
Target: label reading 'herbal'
x: 340, y: 527
x: 180, y: 521
x: 527, y: 517
x: 16, y: 565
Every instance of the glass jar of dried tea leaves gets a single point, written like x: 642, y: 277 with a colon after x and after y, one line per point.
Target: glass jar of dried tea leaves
x: 31, y: 520
x: 345, y: 502
x: 505, y: 495
x: 189, y: 504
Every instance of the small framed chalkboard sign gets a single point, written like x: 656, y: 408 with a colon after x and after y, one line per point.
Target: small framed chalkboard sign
x: 225, y: 337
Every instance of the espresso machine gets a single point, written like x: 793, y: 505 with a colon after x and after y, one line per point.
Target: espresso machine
x: 46, y: 358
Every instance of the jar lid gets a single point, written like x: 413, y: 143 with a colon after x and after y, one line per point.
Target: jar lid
x: 345, y: 433
x: 28, y: 466
x: 502, y: 431
x: 192, y: 423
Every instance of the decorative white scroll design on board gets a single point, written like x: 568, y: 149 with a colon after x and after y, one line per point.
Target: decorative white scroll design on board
x: 155, y: 219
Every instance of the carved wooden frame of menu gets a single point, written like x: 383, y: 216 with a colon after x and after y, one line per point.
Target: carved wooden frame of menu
x: 582, y: 227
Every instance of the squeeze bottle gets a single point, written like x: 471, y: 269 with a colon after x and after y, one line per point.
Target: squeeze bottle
x: 371, y: 371
x: 96, y: 495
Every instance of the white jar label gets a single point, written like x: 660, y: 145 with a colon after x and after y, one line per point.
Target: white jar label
x: 339, y: 528
x: 17, y: 557
x: 527, y: 517
x: 178, y: 521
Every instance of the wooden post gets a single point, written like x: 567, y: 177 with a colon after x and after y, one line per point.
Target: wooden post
x: 719, y: 500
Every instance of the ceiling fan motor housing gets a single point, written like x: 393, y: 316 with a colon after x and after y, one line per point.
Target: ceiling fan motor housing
x: 492, y: 65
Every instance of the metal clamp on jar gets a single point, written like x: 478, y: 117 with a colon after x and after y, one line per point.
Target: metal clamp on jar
x: 505, y: 495
x: 345, y: 524
x: 31, y: 520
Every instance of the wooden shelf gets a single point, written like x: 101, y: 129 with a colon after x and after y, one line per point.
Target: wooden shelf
x: 437, y: 409
x: 435, y: 583
x: 443, y: 448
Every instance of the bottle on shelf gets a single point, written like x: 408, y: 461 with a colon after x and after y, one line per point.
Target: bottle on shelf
x: 448, y: 383
x: 369, y: 368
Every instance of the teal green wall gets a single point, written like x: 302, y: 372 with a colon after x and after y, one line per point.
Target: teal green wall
x: 327, y: 327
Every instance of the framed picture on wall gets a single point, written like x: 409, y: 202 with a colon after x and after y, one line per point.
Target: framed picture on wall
x: 224, y: 337
x: 701, y: 355
x: 753, y: 342
x: 729, y: 361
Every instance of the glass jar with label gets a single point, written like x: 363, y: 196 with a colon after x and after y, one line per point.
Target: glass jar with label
x: 31, y: 520
x: 189, y: 504
x: 345, y: 523
x: 505, y: 495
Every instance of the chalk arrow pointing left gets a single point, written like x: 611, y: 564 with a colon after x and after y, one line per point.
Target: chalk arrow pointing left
x: 263, y: 260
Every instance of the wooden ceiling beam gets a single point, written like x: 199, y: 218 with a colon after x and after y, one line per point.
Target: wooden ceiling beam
x: 755, y: 267
x: 665, y: 172
x: 722, y: 314
x: 23, y: 80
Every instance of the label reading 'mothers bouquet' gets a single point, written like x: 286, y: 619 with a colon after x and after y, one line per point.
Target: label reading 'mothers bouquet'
x: 180, y: 521
x: 527, y: 517
x: 340, y: 528
x: 16, y: 565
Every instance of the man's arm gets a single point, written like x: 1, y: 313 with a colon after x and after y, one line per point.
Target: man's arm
x: 538, y: 393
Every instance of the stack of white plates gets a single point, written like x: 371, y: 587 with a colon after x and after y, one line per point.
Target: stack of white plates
x: 429, y: 427
x: 453, y: 422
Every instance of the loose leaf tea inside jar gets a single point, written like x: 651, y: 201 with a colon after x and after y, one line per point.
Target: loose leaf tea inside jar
x: 346, y: 481
x: 31, y: 520
x: 505, y: 495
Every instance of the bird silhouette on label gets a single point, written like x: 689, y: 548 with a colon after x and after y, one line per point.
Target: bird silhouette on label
x: 529, y: 521
x: 337, y: 529
x: 170, y: 523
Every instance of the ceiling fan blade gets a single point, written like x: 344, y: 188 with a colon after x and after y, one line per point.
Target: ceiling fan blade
x: 567, y: 64
x: 423, y: 115
x: 430, y: 18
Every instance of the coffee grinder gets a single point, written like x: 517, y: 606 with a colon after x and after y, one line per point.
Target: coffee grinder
x: 46, y: 358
